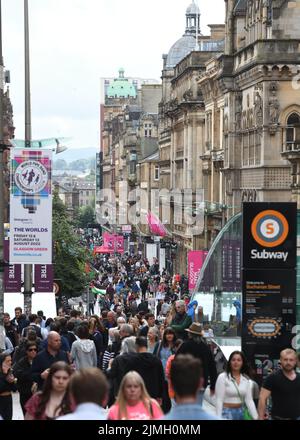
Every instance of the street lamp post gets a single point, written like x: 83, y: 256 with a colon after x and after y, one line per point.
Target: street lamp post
x: 2, y: 342
x: 30, y: 144
x: 27, y: 267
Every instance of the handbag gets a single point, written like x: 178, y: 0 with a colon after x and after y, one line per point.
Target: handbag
x: 246, y: 412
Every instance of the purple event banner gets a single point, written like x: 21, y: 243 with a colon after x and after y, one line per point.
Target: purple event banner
x: 43, y: 278
x: 12, y: 273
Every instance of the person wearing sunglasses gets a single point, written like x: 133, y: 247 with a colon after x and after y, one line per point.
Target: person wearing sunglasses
x: 22, y: 371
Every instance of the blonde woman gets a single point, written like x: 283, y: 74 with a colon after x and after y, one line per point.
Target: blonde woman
x: 135, y: 324
x: 133, y: 401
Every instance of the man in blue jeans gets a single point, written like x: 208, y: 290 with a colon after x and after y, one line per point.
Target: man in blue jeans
x: 186, y: 379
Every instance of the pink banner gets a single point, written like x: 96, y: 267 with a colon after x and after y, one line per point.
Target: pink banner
x: 195, y: 263
x: 113, y: 243
x: 43, y: 278
x: 12, y: 273
x: 120, y: 244
x: 108, y: 241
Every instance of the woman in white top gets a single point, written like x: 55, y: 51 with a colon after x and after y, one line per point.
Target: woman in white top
x: 233, y: 389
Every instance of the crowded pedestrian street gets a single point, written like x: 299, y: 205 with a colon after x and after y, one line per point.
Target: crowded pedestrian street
x: 149, y: 217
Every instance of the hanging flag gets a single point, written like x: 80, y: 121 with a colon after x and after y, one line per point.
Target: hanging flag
x: 98, y: 291
x: 155, y: 225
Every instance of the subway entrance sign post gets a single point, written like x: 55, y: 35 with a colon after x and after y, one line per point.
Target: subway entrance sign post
x: 269, y: 283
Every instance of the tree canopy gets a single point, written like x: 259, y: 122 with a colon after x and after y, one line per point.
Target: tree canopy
x: 84, y: 216
x: 69, y: 256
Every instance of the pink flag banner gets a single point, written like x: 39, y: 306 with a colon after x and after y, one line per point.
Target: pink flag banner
x: 108, y: 241
x: 119, y: 244
x: 112, y: 243
x: 155, y: 225
x: 12, y: 273
x: 195, y: 262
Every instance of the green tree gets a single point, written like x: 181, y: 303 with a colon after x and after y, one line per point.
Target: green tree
x: 69, y: 256
x: 85, y: 216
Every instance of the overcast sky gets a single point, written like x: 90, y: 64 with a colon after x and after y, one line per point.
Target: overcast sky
x: 73, y: 43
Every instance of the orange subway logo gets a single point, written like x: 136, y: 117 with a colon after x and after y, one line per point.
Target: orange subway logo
x: 270, y: 228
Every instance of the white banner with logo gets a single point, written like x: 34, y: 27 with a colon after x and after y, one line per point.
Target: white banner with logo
x: 31, y: 207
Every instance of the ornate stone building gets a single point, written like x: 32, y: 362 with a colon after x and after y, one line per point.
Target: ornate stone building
x: 230, y: 116
x: 182, y: 136
x: 261, y: 101
x: 129, y: 134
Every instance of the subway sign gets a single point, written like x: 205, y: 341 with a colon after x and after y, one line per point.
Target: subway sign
x: 270, y: 233
x: 269, y: 283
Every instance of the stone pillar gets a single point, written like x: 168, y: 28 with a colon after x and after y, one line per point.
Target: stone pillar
x: 190, y: 156
x: 172, y: 159
x: 185, y: 154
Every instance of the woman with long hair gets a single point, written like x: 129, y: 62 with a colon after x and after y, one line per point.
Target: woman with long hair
x: 133, y: 401
x: 7, y: 385
x: 164, y: 349
x: 53, y: 401
x: 96, y: 332
x: 133, y: 320
x: 233, y: 389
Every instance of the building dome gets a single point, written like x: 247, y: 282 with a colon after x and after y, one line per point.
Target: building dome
x: 180, y: 50
x: 193, y: 9
x: 121, y: 87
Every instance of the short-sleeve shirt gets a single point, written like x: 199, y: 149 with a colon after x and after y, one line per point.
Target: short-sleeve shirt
x: 136, y: 412
x: 285, y: 394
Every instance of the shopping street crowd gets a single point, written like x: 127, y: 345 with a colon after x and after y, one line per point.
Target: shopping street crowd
x: 143, y: 357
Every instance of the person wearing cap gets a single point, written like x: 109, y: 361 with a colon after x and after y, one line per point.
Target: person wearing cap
x: 181, y: 321
x: 197, y: 347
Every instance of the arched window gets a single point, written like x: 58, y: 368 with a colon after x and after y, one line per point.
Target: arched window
x: 293, y: 132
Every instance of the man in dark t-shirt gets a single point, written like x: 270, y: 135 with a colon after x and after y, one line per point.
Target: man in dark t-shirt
x: 283, y: 386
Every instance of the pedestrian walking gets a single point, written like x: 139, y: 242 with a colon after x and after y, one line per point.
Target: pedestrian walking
x: 283, y: 386
x: 197, y: 347
x: 234, y: 391
x: 83, y: 352
x: 185, y: 376
x: 7, y: 385
x: 53, y: 400
x: 22, y: 371
x: 88, y: 389
x: 133, y: 401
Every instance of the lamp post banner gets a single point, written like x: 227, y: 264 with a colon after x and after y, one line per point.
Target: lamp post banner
x: 31, y: 207
x: 12, y: 273
x: 43, y: 278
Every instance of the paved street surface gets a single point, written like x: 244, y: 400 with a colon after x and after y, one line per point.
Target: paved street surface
x: 17, y: 410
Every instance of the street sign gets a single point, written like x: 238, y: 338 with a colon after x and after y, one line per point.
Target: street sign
x: 270, y: 233
x: 269, y: 283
